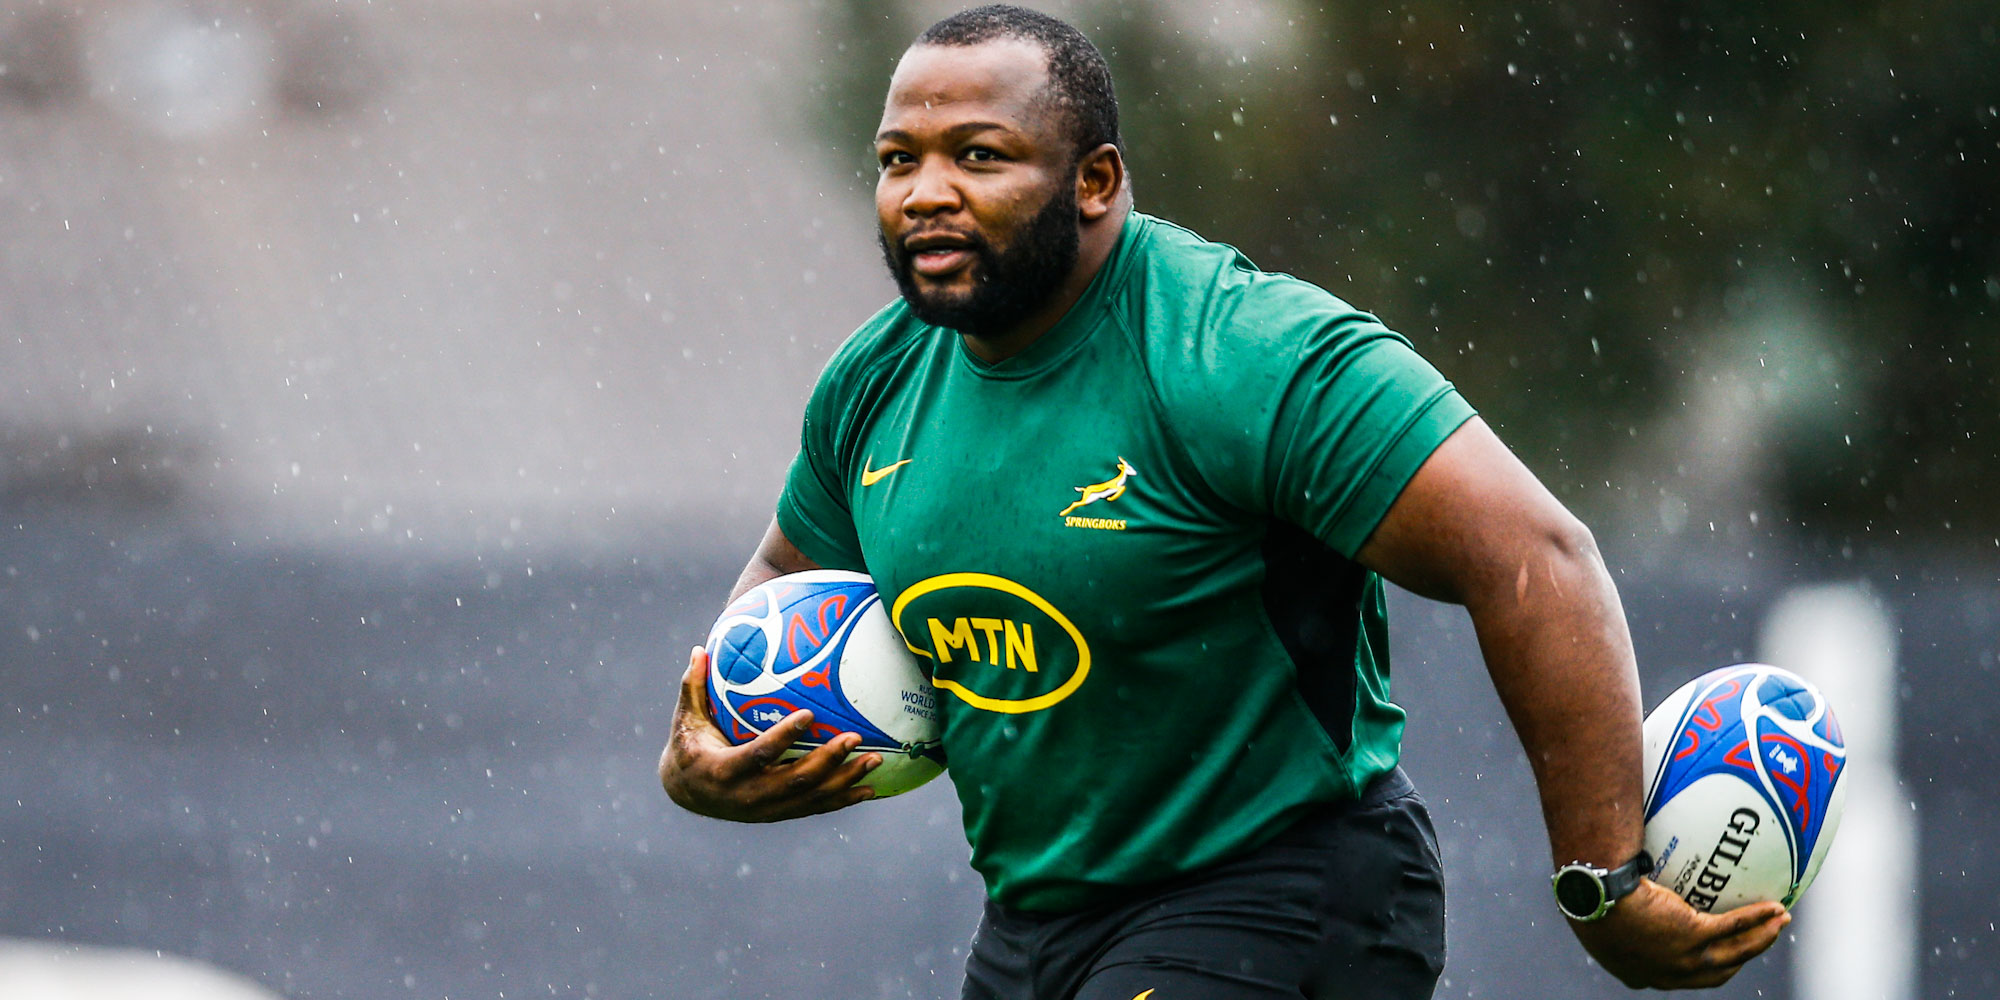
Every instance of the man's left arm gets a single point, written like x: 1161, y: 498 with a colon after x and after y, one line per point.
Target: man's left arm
x: 1475, y: 527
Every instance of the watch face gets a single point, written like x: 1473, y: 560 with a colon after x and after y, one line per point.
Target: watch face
x: 1579, y: 893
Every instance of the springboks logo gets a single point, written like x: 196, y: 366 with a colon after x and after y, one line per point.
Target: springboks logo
x: 1110, y: 489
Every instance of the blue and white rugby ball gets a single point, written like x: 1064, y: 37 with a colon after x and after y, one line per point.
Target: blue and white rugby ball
x: 1744, y: 791
x: 820, y: 640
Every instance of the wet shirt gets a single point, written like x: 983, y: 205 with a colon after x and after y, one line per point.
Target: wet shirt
x: 1126, y: 555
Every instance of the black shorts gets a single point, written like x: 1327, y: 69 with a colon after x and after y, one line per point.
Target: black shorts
x: 1348, y: 903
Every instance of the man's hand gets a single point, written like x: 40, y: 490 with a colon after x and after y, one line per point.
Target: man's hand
x: 749, y: 784
x: 1654, y: 939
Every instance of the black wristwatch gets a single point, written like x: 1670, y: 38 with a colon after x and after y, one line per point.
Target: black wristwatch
x: 1584, y: 893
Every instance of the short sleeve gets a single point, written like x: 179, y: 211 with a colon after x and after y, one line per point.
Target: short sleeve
x: 1360, y: 414
x: 812, y: 510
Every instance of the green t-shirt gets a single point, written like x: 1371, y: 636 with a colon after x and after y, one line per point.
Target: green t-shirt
x: 1125, y: 554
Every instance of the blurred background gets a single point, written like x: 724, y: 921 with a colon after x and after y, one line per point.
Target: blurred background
x: 389, y: 393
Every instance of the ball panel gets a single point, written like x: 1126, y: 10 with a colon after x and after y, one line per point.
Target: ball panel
x: 1835, y: 805
x: 1710, y: 737
x: 898, y: 701
x: 821, y: 641
x: 900, y: 773
x: 1786, y: 695
x: 820, y: 633
x: 813, y: 617
x: 1805, y: 776
x: 741, y: 656
x: 1661, y: 728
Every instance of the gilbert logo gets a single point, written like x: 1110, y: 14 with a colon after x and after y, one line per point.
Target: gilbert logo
x: 870, y: 477
x: 1713, y: 879
x: 1107, y: 491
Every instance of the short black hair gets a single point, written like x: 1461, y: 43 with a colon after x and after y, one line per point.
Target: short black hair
x: 1079, y: 80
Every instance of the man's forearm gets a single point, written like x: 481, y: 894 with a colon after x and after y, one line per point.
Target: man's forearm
x: 775, y: 557
x: 1561, y: 658
x: 756, y: 571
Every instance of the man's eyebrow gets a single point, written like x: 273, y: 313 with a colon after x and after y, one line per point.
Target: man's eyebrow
x: 958, y: 131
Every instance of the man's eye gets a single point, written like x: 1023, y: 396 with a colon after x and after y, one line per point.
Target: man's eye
x: 980, y: 154
x: 895, y: 159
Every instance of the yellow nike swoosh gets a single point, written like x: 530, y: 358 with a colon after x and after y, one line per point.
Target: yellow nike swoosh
x: 870, y: 477
x: 1144, y: 995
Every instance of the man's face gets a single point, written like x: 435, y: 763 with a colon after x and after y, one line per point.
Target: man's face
x: 977, y: 192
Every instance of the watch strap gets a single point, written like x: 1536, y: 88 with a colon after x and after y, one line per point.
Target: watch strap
x: 1620, y: 882
x: 1585, y: 892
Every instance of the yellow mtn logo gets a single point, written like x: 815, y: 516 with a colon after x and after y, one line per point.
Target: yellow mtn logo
x: 1107, y: 491
x: 993, y: 643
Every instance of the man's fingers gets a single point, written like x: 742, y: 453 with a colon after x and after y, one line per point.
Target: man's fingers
x: 1654, y: 939
x: 830, y: 770
x: 1704, y: 980
x: 1734, y: 949
x: 1741, y: 919
x: 826, y: 755
x: 851, y: 767
x: 694, y: 680
x: 754, y: 782
x: 692, y: 715
x: 694, y: 685
x: 820, y: 782
x: 772, y: 743
x: 852, y: 795
x: 812, y: 770
x: 837, y: 790
x: 766, y: 785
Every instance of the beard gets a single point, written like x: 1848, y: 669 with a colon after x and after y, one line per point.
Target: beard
x: 1007, y: 285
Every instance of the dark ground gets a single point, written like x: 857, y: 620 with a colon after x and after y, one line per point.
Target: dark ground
x: 432, y: 776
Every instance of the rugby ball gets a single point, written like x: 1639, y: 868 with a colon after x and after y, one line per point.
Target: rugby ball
x: 820, y: 640
x: 1744, y: 788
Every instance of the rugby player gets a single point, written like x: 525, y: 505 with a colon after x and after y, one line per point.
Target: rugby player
x: 1135, y: 500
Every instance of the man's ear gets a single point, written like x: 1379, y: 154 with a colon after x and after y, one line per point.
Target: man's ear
x: 1100, y: 178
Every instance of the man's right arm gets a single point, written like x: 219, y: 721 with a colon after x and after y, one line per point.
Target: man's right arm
x: 705, y: 774
x: 1474, y: 527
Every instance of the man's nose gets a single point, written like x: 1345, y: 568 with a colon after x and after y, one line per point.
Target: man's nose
x: 932, y: 191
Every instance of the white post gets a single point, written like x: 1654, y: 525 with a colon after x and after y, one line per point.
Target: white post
x: 59, y: 970
x: 1856, y: 932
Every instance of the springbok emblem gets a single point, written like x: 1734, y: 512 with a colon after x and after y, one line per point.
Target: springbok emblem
x: 1110, y: 489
